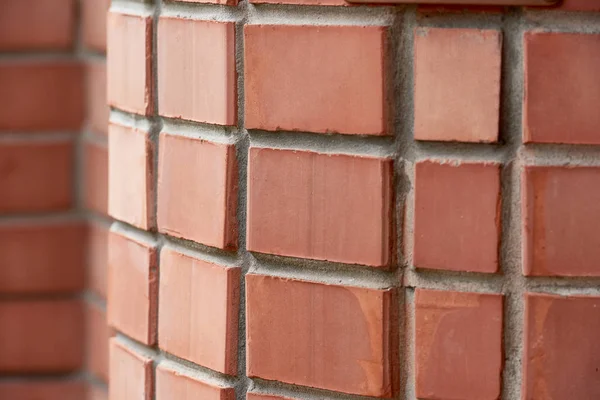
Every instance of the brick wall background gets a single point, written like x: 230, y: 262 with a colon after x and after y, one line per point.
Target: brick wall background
x: 53, y: 200
x: 318, y: 200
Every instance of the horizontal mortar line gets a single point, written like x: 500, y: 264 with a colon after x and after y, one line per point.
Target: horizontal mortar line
x: 563, y: 285
x: 559, y: 155
x: 289, y: 390
x: 43, y: 218
x: 38, y: 137
x: 99, y: 218
x: 288, y: 14
x: 195, y: 370
x: 139, y: 347
x: 451, y: 151
x: 201, y: 251
x: 561, y: 21
x: 63, y: 377
x: 94, y: 380
x: 92, y: 298
x: 215, y: 133
x: 132, y: 120
x: 90, y: 136
x: 360, y: 145
x: 149, y: 238
x: 202, y: 11
x: 132, y: 7
x: 87, y: 54
x: 454, y: 281
x: 325, y: 272
x: 40, y: 57
x: 462, y: 21
x: 40, y: 296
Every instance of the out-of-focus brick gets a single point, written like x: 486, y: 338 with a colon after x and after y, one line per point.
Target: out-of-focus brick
x: 561, y: 221
x: 27, y: 25
x: 196, y: 70
x: 457, y: 216
x: 204, y: 211
x: 172, y: 384
x: 338, y: 338
x: 96, y: 177
x: 97, y: 336
x: 97, y: 108
x: 132, y: 286
x: 42, y: 389
x: 332, y: 82
x: 198, y: 309
x: 130, y: 176
x: 93, y: 23
x: 41, y: 336
x: 41, y: 96
x: 41, y: 257
x: 457, y: 84
x: 561, y: 347
x: 458, y: 342
x: 562, y: 88
x: 96, y: 392
x: 322, y: 206
x: 130, y: 374
x: 97, y: 258
x: 304, y: 2
x: 35, y: 176
x: 129, y: 63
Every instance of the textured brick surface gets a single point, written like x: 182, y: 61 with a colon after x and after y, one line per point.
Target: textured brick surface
x: 130, y: 176
x: 458, y: 341
x: 131, y: 375
x: 27, y: 25
x: 320, y: 206
x: 35, y: 176
x: 561, y: 216
x: 562, y: 88
x: 41, y: 96
x: 332, y: 82
x: 41, y: 257
x: 561, y: 347
x: 41, y: 336
x: 204, y: 211
x: 353, y: 351
x: 132, y: 287
x: 171, y: 384
x: 200, y: 323
x: 457, y: 216
x: 200, y: 86
x: 452, y: 61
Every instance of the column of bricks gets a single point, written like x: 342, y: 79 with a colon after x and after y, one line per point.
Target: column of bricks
x: 323, y: 201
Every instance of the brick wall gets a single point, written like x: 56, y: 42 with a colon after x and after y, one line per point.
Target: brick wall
x: 322, y: 201
x: 53, y: 200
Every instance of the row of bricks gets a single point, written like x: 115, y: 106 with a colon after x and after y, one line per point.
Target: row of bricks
x: 53, y: 337
x: 339, y: 338
x: 339, y: 207
x: 32, y: 25
x: 335, y: 80
x: 38, y: 175
x: 51, y: 96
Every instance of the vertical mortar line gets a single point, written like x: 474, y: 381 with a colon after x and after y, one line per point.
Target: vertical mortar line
x: 242, y: 146
x: 510, y: 248
x: 403, y: 82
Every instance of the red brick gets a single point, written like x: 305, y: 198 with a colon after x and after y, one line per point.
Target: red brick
x: 41, y: 96
x: 204, y: 212
x: 196, y: 70
x: 457, y: 216
x: 561, y: 221
x: 42, y: 389
x: 562, y: 88
x: 93, y: 23
x: 97, y: 108
x: 129, y: 66
x: 561, y: 347
x: 97, y: 258
x: 36, y: 24
x: 35, y: 176
x: 41, y: 336
x: 130, y: 374
x: 333, y: 81
x: 458, y: 345
x: 330, y: 337
x: 97, y: 336
x: 41, y: 257
x: 132, y: 287
x: 579, y: 5
x: 171, y: 384
x: 322, y: 206
x: 304, y: 2
x: 199, y: 304
x: 457, y: 84
x: 96, y: 177
x: 260, y: 396
x: 96, y: 393
x: 223, y: 2
x: 131, y: 176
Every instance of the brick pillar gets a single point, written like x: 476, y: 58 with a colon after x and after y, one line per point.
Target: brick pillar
x: 322, y: 201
